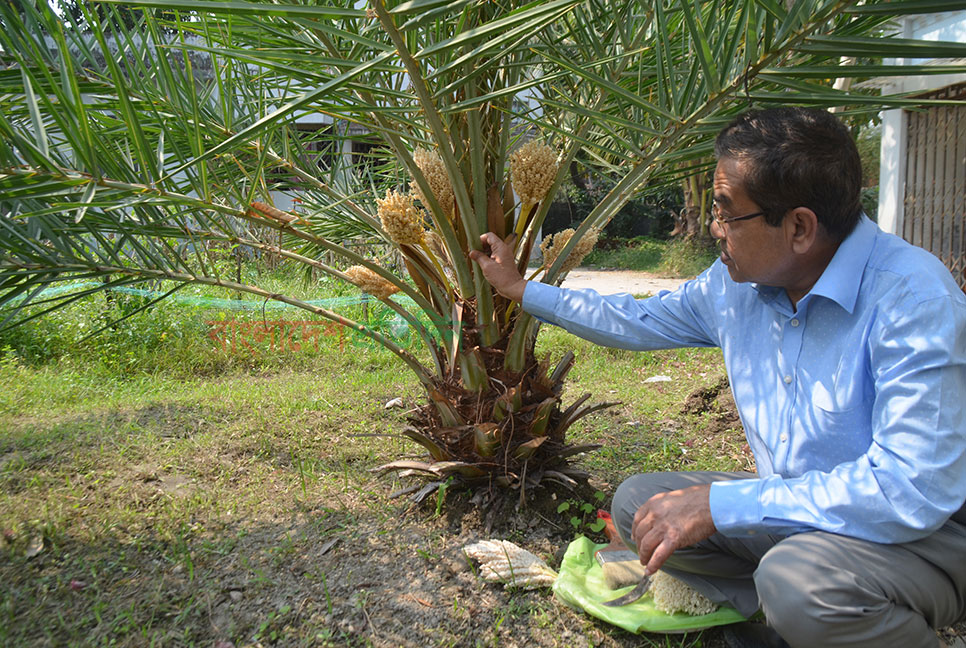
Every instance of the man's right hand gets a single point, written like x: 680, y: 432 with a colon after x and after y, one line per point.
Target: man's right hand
x: 498, y: 266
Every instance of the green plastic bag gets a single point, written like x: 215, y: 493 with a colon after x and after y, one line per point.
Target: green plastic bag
x: 580, y: 584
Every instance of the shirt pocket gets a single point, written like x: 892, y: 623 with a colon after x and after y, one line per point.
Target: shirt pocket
x: 833, y: 420
x: 840, y: 428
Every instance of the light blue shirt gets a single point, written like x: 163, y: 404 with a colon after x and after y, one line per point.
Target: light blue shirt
x: 853, y: 404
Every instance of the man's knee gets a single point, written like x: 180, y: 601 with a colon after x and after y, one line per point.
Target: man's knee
x: 789, y: 607
x: 812, y: 598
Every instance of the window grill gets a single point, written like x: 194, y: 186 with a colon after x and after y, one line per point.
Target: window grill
x: 935, y: 184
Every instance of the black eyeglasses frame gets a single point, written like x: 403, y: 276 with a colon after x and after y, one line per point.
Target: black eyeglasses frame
x: 715, y: 211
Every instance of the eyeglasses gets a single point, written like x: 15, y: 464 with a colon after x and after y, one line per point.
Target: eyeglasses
x: 716, y: 214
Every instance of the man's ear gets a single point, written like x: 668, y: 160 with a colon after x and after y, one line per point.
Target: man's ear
x: 803, y: 229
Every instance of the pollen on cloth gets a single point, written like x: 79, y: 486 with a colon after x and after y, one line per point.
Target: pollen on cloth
x: 671, y: 595
x: 502, y: 561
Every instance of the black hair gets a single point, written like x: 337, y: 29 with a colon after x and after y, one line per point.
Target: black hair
x: 797, y: 157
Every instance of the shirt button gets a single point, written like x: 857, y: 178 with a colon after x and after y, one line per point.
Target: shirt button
x: 794, y: 322
x: 783, y: 437
x: 788, y: 380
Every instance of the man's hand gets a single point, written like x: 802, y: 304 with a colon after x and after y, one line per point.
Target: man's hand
x: 669, y: 521
x: 498, y: 266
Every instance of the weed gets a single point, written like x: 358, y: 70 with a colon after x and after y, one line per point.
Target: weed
x: 441, y: 495
x: 583, y: 515
x: 271, y: 629
x: 328, y: 595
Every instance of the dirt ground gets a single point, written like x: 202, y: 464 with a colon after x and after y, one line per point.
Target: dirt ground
x: 404, y: 581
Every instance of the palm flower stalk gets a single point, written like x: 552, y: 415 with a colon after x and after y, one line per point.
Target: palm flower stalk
x: 370, y: 282
x: 553, y: 245
x: 533, y: 171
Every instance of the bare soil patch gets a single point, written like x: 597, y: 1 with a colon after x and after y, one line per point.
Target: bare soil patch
x: 608, y: 282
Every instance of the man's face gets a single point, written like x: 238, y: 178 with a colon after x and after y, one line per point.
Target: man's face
x: 752, y: 249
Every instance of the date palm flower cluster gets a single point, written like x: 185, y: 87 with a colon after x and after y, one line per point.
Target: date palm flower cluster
x: 533, y: 169
x: 552, y: 246
x: 494, y: 413
x: 370, y: 282
x: 433, y: 169
x: 401, y: 218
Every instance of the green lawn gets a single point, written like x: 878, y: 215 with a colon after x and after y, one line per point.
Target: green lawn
x: 156, y: 489
x: 675, y: 258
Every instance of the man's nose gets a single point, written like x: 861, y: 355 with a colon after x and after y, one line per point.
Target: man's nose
x: 716, y: 229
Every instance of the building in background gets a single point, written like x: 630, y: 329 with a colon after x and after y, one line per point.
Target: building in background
x: 922, y: 172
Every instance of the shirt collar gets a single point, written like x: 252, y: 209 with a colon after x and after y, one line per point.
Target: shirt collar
x: 842, y: 277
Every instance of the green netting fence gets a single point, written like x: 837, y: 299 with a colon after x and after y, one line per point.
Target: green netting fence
x: 331, y: 303
x: 277, y: 333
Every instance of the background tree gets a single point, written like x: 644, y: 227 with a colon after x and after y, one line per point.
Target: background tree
x: 120, y: 161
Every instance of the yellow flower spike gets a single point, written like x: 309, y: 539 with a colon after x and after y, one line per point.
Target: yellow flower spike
x: 432, y: 167
x: 371, y: 282
x: 435, y: 244
x: 553, y: 244
x: 533, y: 168
x: 435, y: 251
x: 401, y: 219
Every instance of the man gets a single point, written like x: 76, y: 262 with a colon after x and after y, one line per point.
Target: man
x: 846, y: 352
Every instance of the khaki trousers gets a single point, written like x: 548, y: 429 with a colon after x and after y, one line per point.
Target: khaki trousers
x: 819, y: 589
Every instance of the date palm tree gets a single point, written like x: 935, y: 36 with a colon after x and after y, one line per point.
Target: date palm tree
x: 126, y: 150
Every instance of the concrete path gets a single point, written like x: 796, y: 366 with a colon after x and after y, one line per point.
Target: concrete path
x: 607, y: 282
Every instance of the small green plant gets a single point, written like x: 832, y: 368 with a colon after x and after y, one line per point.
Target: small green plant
x: 271, y: 629
x: 441, y: 496
x: 328, y: 594
x: 583, y: 515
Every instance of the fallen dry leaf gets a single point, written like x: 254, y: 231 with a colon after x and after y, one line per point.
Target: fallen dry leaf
x: 421, y: 601
x: 35, y: 546
x: 328, y: 545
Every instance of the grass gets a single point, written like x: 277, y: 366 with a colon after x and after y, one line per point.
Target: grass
x: 676, y: 258
x: 158, y: 490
